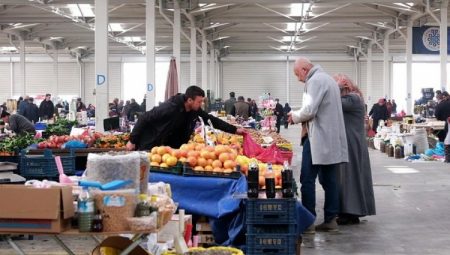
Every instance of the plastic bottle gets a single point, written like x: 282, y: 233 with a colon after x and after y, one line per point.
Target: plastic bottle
x: 143, y: 207
x: 85, y: 211
x: 286, y: 181
x: 253, y: 180
x: 270, y: 182
x: 97, y: 224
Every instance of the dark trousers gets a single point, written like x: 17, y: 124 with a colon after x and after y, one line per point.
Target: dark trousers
x: 278, y: 124
x: 327, y: 178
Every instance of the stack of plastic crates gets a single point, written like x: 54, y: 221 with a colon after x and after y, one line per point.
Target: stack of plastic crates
x: 271, y: 226
x: 44, y: 166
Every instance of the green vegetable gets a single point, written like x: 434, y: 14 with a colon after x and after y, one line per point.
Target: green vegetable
x: 17, y: 143
x: 60, y: 127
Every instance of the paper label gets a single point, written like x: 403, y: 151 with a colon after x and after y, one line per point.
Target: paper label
x: 114, y: 201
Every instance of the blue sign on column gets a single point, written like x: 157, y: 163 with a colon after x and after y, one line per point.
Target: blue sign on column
x: 427, y: 40
x: 100, y: 79
x: 149, y: 87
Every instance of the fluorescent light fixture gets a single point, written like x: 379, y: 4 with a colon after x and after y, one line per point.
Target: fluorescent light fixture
x: 221, y: 38
x: 292, y: 26
x: 132, y: 39
x: 299, y: 9
x: 290, y: 38
x: 7, y: 49
x: 201, y: 4
x: 286, y: 47
x: 402, y: 170
x: 115, y: 27
x: 363, y: 37
x: 81, y: 10
x: 406, y: 5
x: 226, y: 46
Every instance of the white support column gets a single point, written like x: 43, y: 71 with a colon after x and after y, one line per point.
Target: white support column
x: 193, y: 68
x: 205, y: 63
x: 150, y: 53
x: 11, y: 74
x: 386, y: 68
x: 370, y: 99
x: 81, y: 80
x: 55, y: 89
x: 409, y: 102
x: 212, y: 70
x: 443, y: 45
x: 288, y: 92
x: 22, y: 66
x: 101, y: 63
x: 177, y: 40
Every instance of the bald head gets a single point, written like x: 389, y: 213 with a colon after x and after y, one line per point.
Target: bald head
x: 301, y: 68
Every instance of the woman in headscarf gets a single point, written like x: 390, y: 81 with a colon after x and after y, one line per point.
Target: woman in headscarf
x: 355, y: 178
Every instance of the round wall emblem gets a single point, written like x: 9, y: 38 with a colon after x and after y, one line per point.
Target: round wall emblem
x: 431, y: 39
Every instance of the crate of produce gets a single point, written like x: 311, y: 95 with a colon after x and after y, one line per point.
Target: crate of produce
x: 177, y: 170
x: 260, y: 244
x: 188, y: 171
x: 275, y: 211
x: 44, y: 166
x: 270, y: 228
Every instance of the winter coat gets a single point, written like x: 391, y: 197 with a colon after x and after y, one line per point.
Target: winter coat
x: 46, y: 109
x: 322, y: 107
x: 169, y: 124
x: 31, y: 112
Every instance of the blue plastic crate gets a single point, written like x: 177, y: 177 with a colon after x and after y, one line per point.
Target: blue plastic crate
x: 274, y: 211
x: 261, y: 244
x: 256, y: 229
x: 44, y: 167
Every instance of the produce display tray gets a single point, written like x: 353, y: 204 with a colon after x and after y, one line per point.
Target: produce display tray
x: 44, y: 167
x: 190, y: 172
x: 177, y: 170
x: 80, y: 152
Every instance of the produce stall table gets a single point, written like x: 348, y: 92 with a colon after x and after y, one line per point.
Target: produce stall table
x: 138, y: 236
x: 213, y: 197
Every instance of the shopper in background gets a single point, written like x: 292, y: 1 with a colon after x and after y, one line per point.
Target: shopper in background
x: 279, y: 113
x: 134, y: 109
x: 241, y: 108
x: 389, y: 107
x: 253, y: 109
x: 120, y: 107
x: 46, y: 109
x: 3, y: 107
x: 80, y: 105
x: 229, y: 104
x: 31, y: 111
x: 126, y: 109
x: 355, y: 177
x: 287, y: 109
x: 378, y: 112
x: 172, y: 122
x: 90, y: 111
x: 442, y: 112
x: 22, y: 104
x: 326, y: 145
x: 18, y: 123
x: 394, y: 107
x: 143, y: 105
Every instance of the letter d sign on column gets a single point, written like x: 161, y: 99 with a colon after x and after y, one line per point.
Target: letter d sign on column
x: 100, y: 79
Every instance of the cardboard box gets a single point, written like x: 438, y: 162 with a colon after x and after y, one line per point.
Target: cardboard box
x: 25, y: 209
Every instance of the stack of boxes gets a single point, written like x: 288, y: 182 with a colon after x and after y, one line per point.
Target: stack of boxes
x: 272, y: 226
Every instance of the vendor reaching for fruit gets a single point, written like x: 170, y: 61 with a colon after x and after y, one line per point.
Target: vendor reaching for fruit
x: 172, y: 122
x: 18, y: 123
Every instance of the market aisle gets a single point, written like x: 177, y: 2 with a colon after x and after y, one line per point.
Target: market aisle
x: 412, y: 211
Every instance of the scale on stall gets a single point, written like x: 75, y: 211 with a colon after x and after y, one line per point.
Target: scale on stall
x: 7, y: 175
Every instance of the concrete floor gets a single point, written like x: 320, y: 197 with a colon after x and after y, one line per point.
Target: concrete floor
x: 412, y: 211
x: 413, y: 214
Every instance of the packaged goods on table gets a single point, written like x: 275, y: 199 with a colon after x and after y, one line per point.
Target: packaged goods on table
x: 115, y: 207
x: 112, y: 166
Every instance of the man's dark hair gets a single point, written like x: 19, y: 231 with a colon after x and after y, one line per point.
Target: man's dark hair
x: 276, y: 99
x: 249, y: 99
x: 241, y: 98
x: 193, y: 91
x: 30, y: 99
x: 48, y: 95
x: 232, y: 94
x: 445, y: 94
x: 4, y: 114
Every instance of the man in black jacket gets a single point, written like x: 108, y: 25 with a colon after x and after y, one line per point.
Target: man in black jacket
x: 31, y: 111
x: 279, y: 113
x: 46, y: 108
x: 172, y: 122
x: 378, y: 112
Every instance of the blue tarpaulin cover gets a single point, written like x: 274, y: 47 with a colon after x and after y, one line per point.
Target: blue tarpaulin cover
x: 213, y: 197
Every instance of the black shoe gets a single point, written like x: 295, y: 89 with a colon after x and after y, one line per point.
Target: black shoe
x: 347, y: 220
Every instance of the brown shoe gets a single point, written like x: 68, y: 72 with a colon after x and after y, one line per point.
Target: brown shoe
x: 311, y: 230
x: 330, y: 226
